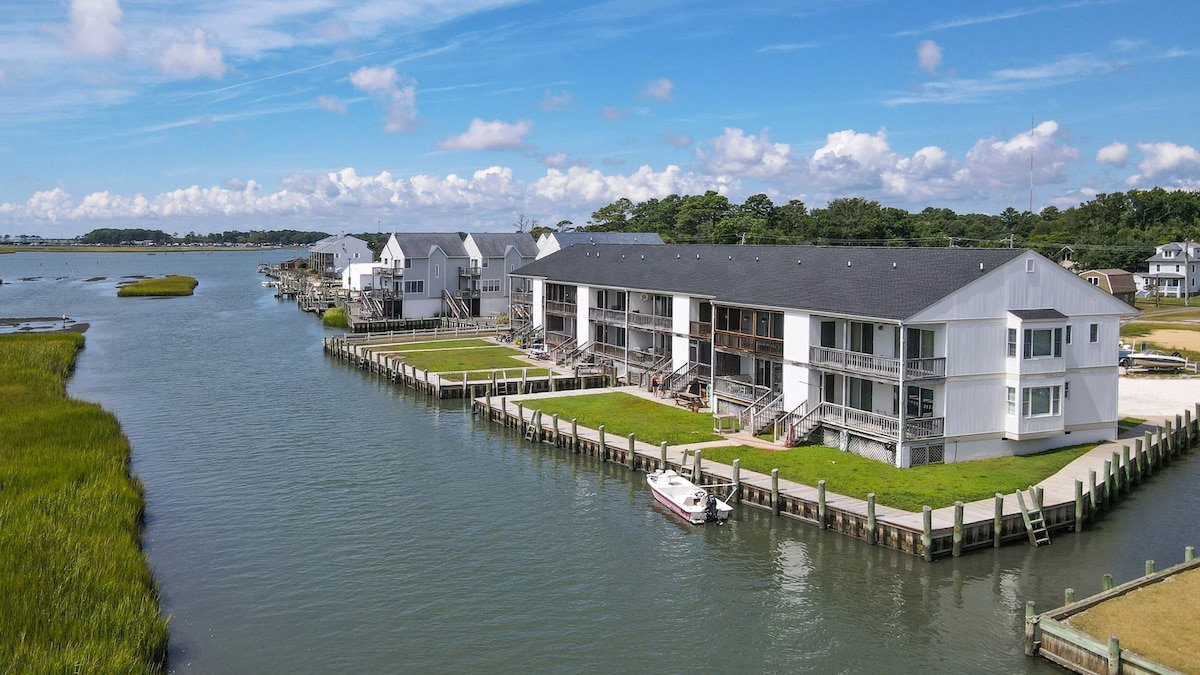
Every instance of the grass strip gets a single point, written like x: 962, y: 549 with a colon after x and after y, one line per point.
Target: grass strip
x: 170, y: 285
x: 450, y: 361
x: 623, y: 414
x: 431, y: 345
x: 76, y: 594
x: 936, y: 485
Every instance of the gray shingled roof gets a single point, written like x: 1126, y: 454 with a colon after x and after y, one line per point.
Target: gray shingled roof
x: 566, y: 239
x: 493, y: 244
x: 892, y: 283
x: 1037, y: 314
x: 333, y: 242
x: 419, y: 244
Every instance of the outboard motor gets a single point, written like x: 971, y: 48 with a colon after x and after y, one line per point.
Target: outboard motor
x: 710, y: 509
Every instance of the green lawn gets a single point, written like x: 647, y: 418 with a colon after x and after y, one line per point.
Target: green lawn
x: 936, y: 485
x: 76, y: 594
x: 452, y: 362
x: 623, y: 414
x: 436, y: 344
x: 171, y: 285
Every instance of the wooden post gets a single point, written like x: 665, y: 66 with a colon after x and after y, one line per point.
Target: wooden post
x: 1128, y: 476
x: 632, y: 452
x: 524, y: 380
x: 1107, y: 583
x: 1068, y: 596
x: 574, y: 435
x: 871, y: 518
x: 822, y: 511
x: 927, y: 532
x: 958, y: 529
x: 1116, y: 475
x: 1189, y: 553
x: 1150, y: 463
x: 1162, y: 454
x: 1187, y: 429
x: 1139, y: 464
x: 603, y: 445
x: 504, y: 410
x: 521, y: 417
x: 554, y: 420
x: 697, y: 473
x: 1078, y: 505
x: 1108, y: 479
x: 1114, y: 655
x: 1169, y: 450
x: 998, y: 521
x: 662, y: 449
x: 1030, y: 630
x: 775, y: 491
x: 737, y: 482
x: 488, y: 399
x: 493, y: 381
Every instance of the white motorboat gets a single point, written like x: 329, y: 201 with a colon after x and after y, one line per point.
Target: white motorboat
x: 1153, y: 359
x: 686, y: 499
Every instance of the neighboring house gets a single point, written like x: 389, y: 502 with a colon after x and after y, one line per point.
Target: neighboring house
x: 361, y: 277
x: 433, y: 274
x: 906, y: 355
x: 329, y: 256
x: 551, y: 242
x: 1119, y: 283
x: 493, y: 256
x: 1174, y: 269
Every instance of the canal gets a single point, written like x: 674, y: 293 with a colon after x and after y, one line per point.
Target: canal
x: 307, y: 517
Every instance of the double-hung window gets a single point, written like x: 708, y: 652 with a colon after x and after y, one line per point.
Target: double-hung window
x: 1040, y: 401
x: 1012, y: 343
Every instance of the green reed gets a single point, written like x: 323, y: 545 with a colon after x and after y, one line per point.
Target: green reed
x: 170, y: 285
x: 76, y: 593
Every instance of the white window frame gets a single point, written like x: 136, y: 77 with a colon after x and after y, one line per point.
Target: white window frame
x: 414, y: 286
x: 489, y: 285
x: 1053, y: 402
x: 1030, y: 342
x: 1012, y: 343
x: 1012, y: 401
x: 1094, y: 333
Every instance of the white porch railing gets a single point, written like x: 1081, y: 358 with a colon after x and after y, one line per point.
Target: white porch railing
x: 883, y: 366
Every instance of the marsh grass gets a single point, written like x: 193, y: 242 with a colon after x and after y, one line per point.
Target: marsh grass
x: 335, y: 317
x: 76, y: 594
x: 936, y: 485
x: 170, y: 285
x: 623, y: 414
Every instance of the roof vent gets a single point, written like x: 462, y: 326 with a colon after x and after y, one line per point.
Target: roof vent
x: 697, y: 256
x: 980, y: 267
x: 755, y: 258
x: 797, y: 262
x: 731, y: 257
x: 847, y: 263
x: 643, y: 256
x: 893, y: 265
x: 622, y: 256
x: 677, y: 256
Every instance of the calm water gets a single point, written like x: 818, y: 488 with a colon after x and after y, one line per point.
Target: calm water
x: 306, y: 517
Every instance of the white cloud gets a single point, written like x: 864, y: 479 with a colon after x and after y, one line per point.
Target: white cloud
x: 579, y: 185
x: 677, y: 140
x: 49, y: 205
x: 738, y: 154
x: 661, y: 89
x: 559, y: 101
x: 331, y: 104
x: 494, y: 135
x: 1113, y: 153
x: 95, y: 29
x: 190, y: 55
x: 1162, y: 161
x: 929, y: 56
x: 399, y: 97
x: 1006, y: 163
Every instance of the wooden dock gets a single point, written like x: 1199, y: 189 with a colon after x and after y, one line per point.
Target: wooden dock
x: 1066, y: 503
x: 360, y: 351
x: 1051, y: 636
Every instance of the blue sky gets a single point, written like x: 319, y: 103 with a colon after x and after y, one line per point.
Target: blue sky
x: 420, y: 115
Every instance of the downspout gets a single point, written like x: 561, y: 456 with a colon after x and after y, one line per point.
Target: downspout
x: 901, y: 455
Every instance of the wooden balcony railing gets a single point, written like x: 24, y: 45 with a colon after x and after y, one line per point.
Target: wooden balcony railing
x: 932, y: 368
x: 700, y: 329
x: 561, y: 308
x: 880, y: 426
x: 610, y: 316
x: 649, y: 321
x: 615, y: 351
x: 739, y: 389
x: 758, y: 346
x: 521, y: 297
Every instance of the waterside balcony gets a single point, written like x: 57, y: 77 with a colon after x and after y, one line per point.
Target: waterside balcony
x: 561, y: 308
x: 738, y: 389
x: 615, y: 317
x: 876, y: 425
x: 521, y: 297
x: 469, y: 272
x: 649, y: 321
x: 870, y: 365
x: 750, y: 344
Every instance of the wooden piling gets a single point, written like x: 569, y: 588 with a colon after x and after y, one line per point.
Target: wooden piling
x: 1149, y: 567
x: 1114, y: 655
x: 958, y: 529
x: 1107, y: 583
x: 662, y: 458
x: 1150, y: 463
x: 632, y: 451
x: 998, y: 521
x: 1078, y: 505
x: 1189, y: 553
x: 697, y: 472
x: 1108, y: 480
x: 1068, y: 596
x: 1117, y: 486
x: 574, y: 435
x: 554, y: 421
x: 521, y: 417
x: 1128, y: 473
x: 822, y: 517
x: 775, y: 491
x: 927, y: 532
x: 603, y: 445
x: 871, y: 518
x: 737, y: 481
x: 1030, y: 630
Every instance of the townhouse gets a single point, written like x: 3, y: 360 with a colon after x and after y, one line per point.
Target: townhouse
x: 906, y: 355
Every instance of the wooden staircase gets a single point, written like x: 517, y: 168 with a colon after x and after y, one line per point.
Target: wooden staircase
x: 1035, y: 521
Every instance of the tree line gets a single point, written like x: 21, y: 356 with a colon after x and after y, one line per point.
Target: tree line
x: 118, y: 236
x: 1111, y: 230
